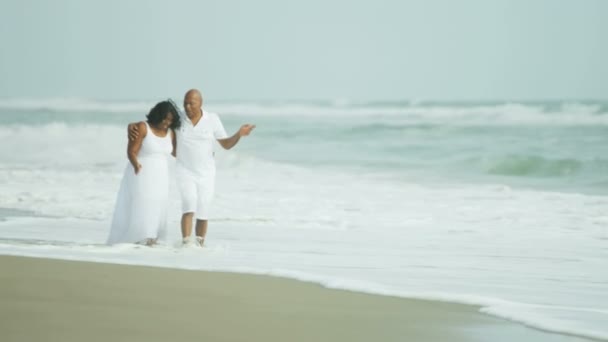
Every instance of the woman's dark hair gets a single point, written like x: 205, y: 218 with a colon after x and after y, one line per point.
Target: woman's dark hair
x: 159, y: 113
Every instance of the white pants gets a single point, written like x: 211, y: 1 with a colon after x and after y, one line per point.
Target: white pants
x: 196, y: 192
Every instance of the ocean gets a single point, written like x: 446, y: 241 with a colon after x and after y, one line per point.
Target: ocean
x: 498, y: 204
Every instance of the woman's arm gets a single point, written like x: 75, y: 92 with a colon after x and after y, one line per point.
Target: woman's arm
x: 174, y: 142
x: 135, y: 145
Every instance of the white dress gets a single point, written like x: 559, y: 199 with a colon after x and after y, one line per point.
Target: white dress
x: 142, y: 202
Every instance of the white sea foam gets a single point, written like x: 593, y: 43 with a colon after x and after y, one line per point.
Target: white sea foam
x: 474, y: 245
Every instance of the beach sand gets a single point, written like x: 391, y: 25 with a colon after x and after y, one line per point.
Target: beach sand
x: 54, y: 300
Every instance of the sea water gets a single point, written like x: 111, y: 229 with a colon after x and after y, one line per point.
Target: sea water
x: 504, y: 205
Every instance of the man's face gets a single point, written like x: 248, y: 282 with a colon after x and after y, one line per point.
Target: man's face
x: 192, y: 104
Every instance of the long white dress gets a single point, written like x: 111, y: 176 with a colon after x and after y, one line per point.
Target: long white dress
x: 141, y: 205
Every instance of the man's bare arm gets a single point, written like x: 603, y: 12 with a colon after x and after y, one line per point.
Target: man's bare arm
x: 133, y: 130
x: 230, y: 142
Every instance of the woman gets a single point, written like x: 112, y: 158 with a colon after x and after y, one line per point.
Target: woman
x: 140, y: 215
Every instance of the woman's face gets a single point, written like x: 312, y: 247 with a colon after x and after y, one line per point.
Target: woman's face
x: 167, y: 121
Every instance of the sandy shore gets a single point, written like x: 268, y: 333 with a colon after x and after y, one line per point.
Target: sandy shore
x: 53, y: 300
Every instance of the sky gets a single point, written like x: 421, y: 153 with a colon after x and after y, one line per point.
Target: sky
x: 364, y: 50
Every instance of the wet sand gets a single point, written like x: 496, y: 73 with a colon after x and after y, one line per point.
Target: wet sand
x: 55, y: 300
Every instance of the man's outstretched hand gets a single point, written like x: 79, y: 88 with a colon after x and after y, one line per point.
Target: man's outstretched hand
x: 245, y: 130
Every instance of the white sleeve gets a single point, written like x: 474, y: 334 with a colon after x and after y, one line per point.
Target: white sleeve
x: 218, y: 131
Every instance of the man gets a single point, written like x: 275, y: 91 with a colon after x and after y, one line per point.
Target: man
x: 195, y: 161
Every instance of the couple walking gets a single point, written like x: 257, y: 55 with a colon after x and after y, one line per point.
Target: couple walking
x: 140, y: 215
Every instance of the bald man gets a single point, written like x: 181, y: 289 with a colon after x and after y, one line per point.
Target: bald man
x: 195, y: 166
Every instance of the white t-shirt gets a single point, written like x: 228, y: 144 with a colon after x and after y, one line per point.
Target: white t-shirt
x: 195, y: 143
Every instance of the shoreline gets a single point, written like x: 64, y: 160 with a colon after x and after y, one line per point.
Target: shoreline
x: 124, y: 302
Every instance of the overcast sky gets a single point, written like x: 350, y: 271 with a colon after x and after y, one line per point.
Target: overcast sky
x: 300, y: 50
